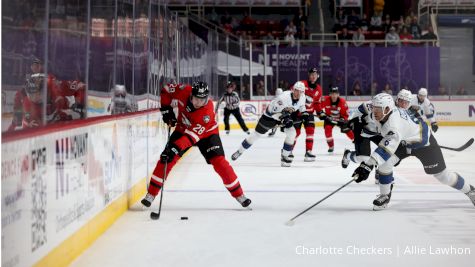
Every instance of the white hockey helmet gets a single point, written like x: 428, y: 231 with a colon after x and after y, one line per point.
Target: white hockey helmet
x: 119, y: 90
x: 405, y: 95
x: 299, y: 86
x: 278, y: 91
x: 383, y: 101
x: 422, y: 92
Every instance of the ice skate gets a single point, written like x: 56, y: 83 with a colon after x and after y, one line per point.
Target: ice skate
x: 471, y: 194
x: 345, y: 161
x: 147, y: 200
x: 285, y: 161
x: 330, y: 149
x: 244, y: 201
x: 309, y: 157
x: 227, y: 132
x: 236, y: 155
x: 382, y: 201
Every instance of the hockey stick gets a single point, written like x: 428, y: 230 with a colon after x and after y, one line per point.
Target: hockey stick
x: 469, y: 143
x: 156, y: 215
x: 291, y: 221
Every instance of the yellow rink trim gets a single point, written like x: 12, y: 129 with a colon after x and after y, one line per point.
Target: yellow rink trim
x: 235, y: 126
x: 77, y: 243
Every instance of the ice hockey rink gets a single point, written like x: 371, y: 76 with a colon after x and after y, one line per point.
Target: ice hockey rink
x: 426, y: 223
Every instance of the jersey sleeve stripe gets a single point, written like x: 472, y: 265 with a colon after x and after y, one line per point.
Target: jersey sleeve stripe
x: 192, y: 134
x: 212, y: 128
x: 232, y: 184
x: 424, y: 133
x: 383, y: 153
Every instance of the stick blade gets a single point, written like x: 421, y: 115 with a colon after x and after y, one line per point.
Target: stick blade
x: 154, y: 215
x: 290, y: 223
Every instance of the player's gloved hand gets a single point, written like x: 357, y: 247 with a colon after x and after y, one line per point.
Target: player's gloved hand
x: 341, y: 122
x: 434, y: 126
x: 287, y: 122
x: 169, y: 153
x: 168, y: 116
x: 322, y: 115
x: 345, y: 128
x: 362, y: 172
x: 305, y: 117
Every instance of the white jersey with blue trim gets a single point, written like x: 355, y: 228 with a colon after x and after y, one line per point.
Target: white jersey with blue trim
x: 400, y: 127
x: 425, y: 108
x: 283, y: 101
x: 365, y: 115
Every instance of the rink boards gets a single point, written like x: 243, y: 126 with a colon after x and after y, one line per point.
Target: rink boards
x: 63, y: 188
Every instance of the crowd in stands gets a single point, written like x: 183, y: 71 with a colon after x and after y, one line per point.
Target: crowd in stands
x: 288, y: 28
x: 349, y: 25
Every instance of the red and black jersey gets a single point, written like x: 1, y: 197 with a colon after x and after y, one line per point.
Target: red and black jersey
x: 196, y: 124
x: 335, y: 110
x: 313, y: 96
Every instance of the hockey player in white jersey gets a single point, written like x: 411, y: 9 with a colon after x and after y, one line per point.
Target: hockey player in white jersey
x: 403, y: 136
x: 425, y: 108
x: 279, y: 112
x: 278, y: 91
x: 362, y: 123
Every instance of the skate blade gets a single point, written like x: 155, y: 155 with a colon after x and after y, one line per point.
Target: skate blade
x: 283, y: 164
x: 308, y: 160
x: 378, y: 208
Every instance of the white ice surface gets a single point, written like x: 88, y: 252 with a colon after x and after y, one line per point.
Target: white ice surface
x: 423, y: 213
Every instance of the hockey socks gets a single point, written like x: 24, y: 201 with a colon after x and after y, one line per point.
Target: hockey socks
x: 229, y: 177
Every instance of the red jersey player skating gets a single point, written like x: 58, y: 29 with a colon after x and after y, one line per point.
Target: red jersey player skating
x: 196, y: 126
x: 334, y: 111
x: 313, y: 95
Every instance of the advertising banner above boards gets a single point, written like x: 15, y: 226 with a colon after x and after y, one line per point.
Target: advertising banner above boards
x: 448, y: 112
x: 350, y: 3
x: 233, y: 2
x: 56, y: 183
x: 447, y: 3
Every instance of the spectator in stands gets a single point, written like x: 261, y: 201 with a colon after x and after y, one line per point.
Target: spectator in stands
x: 356, y: 88
x: 213, y: 17
x: 364, y: 23
x: 260, y: 90
x: 358, y: 38
x: 374, y: 88
x: 290, y: 39
x: 405, y: 36
x: 376, y: 22
x: 302, y: 32
x: 268, y: 37
x: 344, y: 35
x: 387, y: 24
x: 298, y: 18
x: 430, y: 35
x: 226, y: 18
x: 290, y: 28
x: 246, y: 22
x: 461, y: 91
x: 353, y: 21
x: 341, y: 17
x: 392, y: 38
x: 415, y: 29
x: 407, y: 22
x: 387, y: 89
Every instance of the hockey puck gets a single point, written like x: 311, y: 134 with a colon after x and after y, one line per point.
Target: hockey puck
x: 184, y: 218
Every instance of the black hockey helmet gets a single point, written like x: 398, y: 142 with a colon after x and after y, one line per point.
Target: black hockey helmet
x: 313, y: 70
x: 334, y: 89
x: 200, y: 90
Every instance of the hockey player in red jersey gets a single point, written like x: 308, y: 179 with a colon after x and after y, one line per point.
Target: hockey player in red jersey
x: 21, y: 95
x: 335, y: 112
x: 313, y: 95
x: 195, y: 126
x: 32, y: 104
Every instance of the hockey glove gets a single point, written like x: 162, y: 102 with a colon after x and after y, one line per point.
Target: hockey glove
x: 168, y: 116
x: 321, y: 115
x: 305, y: 117
x: 434, y: 126
x: 362, y: 172
x: 287, y: 122
x: 169, y: 153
